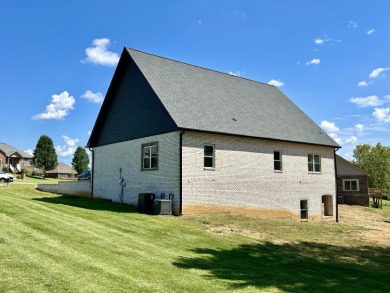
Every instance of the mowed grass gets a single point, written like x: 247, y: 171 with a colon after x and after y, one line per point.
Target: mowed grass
x: 35, y: 180
x: 384, y: 211
x: 51, y: 243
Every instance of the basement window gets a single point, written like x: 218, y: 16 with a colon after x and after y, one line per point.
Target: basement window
x: 150, y: 156
x: 277, y: 161
x: 350, y: 185
x: 209, y: 157
x: 304, y: 209
x: 314, y: 163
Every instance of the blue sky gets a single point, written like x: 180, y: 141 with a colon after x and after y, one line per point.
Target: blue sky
x: 331, y: 58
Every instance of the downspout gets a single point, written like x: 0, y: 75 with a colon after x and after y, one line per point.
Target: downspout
x: 337, y: 186
x: 93, y: 171
x: 181, y: 172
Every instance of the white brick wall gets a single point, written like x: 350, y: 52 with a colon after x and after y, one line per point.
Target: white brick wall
x: 127, y: 156
x: 79, y: 188
x: 244, y: 174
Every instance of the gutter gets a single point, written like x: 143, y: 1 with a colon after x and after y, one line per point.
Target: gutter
x: 181, y: 172
x: 337, y: 185
x: 93, y: 170
x: 258, y: 137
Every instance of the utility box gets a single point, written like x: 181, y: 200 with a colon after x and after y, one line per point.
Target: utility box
x: 162, y: 207
x: 145, y: 202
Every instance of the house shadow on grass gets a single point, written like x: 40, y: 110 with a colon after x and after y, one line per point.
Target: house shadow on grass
x: 89, y: 203
x: 301, y: 267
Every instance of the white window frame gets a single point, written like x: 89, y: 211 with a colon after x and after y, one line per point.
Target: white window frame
x: 209, y: 156
x: 350, y: 180
x: 149, y: 147
x: 313, y: 163
x: 280, y: 161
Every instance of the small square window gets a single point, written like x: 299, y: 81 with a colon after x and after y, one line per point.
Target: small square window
x: 209, y: 156
x: 350, y: 185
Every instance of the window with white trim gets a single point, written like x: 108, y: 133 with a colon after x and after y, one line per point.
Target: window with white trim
x: 314, y: 163
x: 350, y: 185
x: 209, y: 156
x: 150, y: 156
x: 277, y: 161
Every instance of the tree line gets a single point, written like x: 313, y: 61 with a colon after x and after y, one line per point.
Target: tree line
x: 375, y: 160
x: 45, y: 156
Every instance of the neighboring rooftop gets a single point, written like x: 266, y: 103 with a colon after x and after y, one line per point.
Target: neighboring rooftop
x: 347, y: 168
x: 61, y: 168
x: 10, y: 151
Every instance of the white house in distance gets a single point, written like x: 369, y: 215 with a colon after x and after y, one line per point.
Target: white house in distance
x: 211, y: 139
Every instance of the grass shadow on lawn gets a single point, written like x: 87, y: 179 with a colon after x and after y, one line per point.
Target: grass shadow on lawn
x: 89, y: 203
x: 299, y: 267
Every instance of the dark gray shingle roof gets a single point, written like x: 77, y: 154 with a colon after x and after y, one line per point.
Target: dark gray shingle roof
x: 207, y: 100
x: 10, y: 150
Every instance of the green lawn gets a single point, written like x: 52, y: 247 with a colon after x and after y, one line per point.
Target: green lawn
x: 37, y: 179
x: 51, y: 243
x: 384, y: 211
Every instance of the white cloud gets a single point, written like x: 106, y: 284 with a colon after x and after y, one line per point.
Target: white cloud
x: 369, y: 101
x: 276, y: 83
x: 377, y: 72
x: 382, y: 114
x: 359, y: 127
x: 30, y: 152
x: 237, y: 73
x: 351, y: 139
x: 93, y: 97
x: 58, y: 108
x: 348, y: 156
x: 326, y: 40
x: 336, y: 138
x: 329, y: 126
x: 319, y: 41
x: 69, y: 148
x: 370, y: 31
x: 352, y: 24
x: 99, y: 54
x: 364, y: 83
x: 313, y: 61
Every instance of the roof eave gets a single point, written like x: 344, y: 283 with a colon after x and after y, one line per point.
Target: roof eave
x: 258, y: 137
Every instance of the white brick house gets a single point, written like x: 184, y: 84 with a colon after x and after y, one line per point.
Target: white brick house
x: 211, y: 140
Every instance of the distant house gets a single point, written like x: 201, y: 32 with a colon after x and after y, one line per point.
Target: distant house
x: 61, y: 171
x: 211, y: 139
x: 15, y: 159
x: 352, y: 183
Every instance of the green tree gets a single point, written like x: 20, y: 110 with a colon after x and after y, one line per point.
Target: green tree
x: 80, y: 160
x: 375, y: 160
x: 45, y: 154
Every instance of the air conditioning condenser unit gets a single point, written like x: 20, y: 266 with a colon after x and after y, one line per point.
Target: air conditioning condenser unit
x: 162, y: 207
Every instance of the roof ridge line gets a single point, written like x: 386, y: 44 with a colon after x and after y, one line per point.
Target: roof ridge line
x: 204, y: 68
